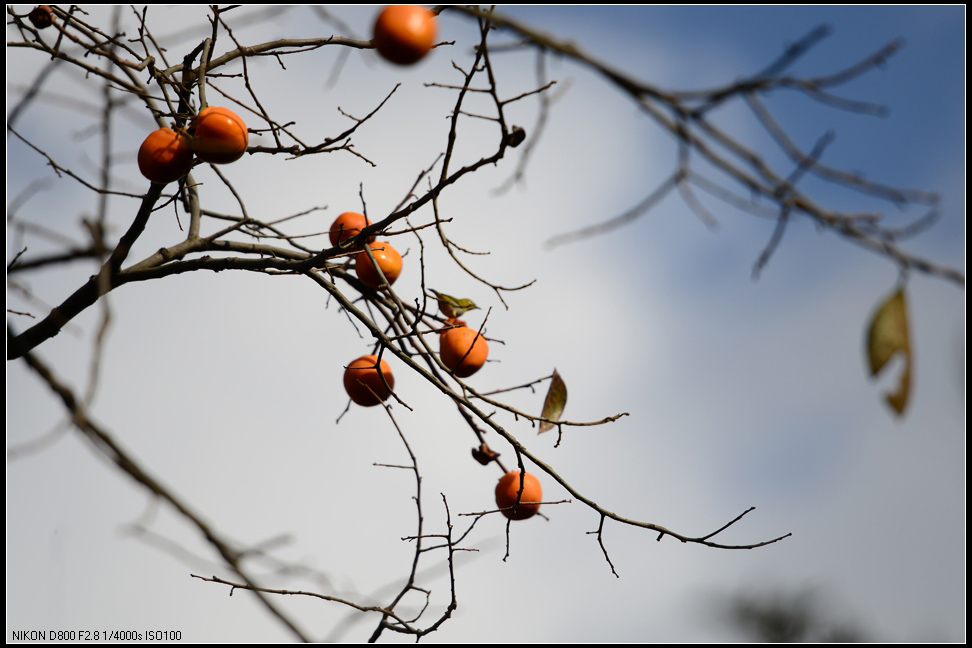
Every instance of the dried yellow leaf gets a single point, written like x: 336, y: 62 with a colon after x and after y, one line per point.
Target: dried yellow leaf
x: 554, y: 403
x: 887, y: 336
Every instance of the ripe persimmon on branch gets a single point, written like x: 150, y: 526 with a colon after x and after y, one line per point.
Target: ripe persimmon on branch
x: 219, y: 152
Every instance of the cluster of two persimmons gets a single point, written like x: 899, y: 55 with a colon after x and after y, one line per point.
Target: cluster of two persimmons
x: 216, y: 135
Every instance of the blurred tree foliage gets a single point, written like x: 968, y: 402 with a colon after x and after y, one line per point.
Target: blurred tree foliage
x: 788, y: 617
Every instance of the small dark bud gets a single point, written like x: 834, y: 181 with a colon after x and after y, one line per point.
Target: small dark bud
x: 41, y: 16
x: 516, y: 138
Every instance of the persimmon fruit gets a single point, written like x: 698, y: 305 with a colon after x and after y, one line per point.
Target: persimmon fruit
x: 507, y: 489
x: 388, y: 259
x: 41, y: 16
x: 165, y: 156
x: 463, y: 350
x: 404, y: 34
x: 364, y: 384
x: 219, y: 135
x: 347, y: 225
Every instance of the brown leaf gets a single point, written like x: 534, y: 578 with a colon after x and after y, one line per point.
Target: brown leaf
x: 553, y: 404
x: 483, y: 454
x: 887, y: 336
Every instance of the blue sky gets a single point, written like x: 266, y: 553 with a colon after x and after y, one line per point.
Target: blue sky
x: 739, y: 392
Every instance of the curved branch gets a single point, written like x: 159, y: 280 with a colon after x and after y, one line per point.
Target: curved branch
x: 104, y: 444
x: 87, y: 294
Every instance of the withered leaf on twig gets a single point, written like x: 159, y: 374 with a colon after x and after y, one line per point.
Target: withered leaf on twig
x: 886, y: 336
x: 553, y: 404
x: 483, y: 454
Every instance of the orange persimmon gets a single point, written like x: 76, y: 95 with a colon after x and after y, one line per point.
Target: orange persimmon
x: 364, y: 384
x: 347, y: 225
x: 506, y: 492
x: 388, y: 259
x: 463, y: 350
x: 404, y: 34
x: 219, y: 136
x: 165, y: 156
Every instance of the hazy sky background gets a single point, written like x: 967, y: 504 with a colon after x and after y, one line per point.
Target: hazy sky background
x: 739, y: 392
